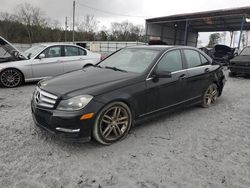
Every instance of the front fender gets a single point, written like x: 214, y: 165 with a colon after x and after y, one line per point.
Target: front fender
x: 134, y: 96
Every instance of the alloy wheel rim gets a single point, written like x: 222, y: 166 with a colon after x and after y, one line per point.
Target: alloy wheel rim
x: 10, y: 78
x: 114, y: 123
x: 211, y: 95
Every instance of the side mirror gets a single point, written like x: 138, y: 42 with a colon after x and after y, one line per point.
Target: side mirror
x: 163, y: 74
x: 41, y: 56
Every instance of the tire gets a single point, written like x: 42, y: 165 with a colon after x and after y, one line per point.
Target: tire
x: 231, y: 74
x: 108, y: 128
x: 11, y: 78
x: 210, y: 96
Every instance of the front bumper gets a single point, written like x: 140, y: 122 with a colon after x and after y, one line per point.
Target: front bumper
x: 66, y: 125
x: 239, y: 69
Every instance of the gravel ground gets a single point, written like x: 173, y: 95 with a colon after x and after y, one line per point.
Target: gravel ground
x: 194, y: 147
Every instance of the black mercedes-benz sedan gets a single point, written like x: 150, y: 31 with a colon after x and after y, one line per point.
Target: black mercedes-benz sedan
x: 240, y: 64
x: 104, y: 100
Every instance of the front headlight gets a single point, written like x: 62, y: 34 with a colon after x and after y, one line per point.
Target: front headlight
x: 75, y: 103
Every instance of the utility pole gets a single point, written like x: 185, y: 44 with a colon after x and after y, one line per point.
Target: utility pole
x: 74, y: 9
x: 66, y: 28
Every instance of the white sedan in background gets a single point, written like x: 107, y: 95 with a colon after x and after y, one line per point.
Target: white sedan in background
x: 41, y: 61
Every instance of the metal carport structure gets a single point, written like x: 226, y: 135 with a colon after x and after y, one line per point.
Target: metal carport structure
x: 183, y: 29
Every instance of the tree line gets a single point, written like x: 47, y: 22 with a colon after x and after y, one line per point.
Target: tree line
x: 30, y: 24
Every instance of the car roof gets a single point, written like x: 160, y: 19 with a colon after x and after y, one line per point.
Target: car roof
x: 56, y: 44
x: 160, y: 47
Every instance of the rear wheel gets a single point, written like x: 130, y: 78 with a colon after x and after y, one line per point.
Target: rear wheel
x: 112, y: 123
x: 11, y: 78
x: 210, y: 96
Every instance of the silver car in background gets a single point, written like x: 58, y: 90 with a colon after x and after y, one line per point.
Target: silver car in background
x: 41, y: 61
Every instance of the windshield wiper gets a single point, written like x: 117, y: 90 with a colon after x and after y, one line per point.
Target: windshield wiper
x: 115, y: 69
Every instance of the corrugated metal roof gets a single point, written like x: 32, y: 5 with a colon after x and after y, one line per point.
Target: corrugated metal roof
x: 216, y: 20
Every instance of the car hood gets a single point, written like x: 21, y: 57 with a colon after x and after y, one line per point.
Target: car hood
x: 91, y: 80
x: 7, y: 46
x: 241, y: 60
x: 223, y: 48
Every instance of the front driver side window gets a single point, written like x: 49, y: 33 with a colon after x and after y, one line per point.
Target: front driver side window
x: 54, y: 51
x: 171, y: 62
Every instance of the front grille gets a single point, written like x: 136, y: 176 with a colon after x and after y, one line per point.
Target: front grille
x: 44, y: 99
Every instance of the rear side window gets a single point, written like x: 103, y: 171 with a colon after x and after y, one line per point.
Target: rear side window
x: 82, y: 52
x: 73, y: 51
x: 204, y: 60
x: 193, y: 58
x: 171, y: 61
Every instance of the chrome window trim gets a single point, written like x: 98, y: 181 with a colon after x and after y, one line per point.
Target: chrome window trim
x: 185, y: 69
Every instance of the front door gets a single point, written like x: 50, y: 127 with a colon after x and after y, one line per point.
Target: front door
x: 167, y: 92
x: 50, y: 64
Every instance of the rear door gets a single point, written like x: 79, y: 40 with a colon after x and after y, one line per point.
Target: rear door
x: 50, y: 65
x: 74, y: 58
x: 167, y: 92
x: 198, y: 68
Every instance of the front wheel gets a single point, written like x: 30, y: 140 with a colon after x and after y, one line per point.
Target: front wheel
x: 11, y: 78
x: 210, y: 96
x: 112, y: 123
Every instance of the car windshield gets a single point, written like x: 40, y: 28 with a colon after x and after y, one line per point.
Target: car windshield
x: 245, y: 51
x: 4, y: 52
x: 130, y: 60
x: 33, y: 51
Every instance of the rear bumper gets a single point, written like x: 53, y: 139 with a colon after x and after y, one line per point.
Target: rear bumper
x: 65, y: 125
x: 239, y: 69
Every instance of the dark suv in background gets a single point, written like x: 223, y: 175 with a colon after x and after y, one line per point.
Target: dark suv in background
x: 241, y: 63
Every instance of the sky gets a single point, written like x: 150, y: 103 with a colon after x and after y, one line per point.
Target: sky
x: 136, y: 11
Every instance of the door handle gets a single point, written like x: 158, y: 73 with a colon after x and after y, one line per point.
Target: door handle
x: 206, y: 70
x: 182, y: 77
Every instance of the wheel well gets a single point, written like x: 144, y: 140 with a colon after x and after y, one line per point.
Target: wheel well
x: 218, y: 85
x: 123, y: 101
x: 118, y: 100
x: 129, y: 106
x: 86, y: 65
x: 18, y: 71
